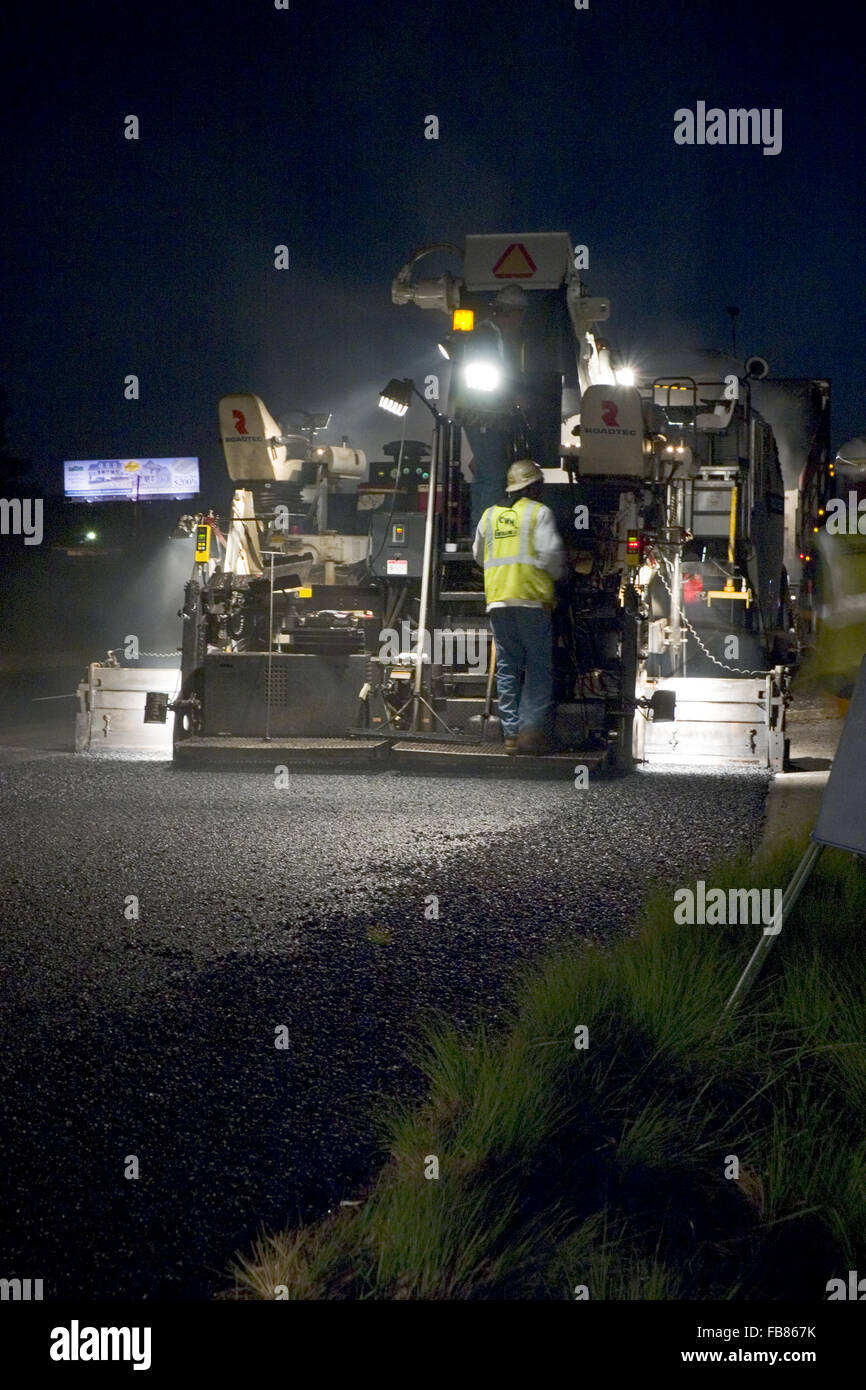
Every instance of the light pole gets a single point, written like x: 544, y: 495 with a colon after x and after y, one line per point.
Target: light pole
x: 268, y: 678
x: 396, y: 398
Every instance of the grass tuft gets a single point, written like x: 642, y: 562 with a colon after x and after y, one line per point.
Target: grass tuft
x: 670, y: 1158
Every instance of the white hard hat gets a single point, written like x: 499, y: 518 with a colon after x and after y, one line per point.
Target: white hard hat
x: 521, y: 474
x: 511, y: 297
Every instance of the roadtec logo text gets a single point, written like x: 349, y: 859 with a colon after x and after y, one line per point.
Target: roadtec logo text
x: 76, y: 1343
x: 610, y: 418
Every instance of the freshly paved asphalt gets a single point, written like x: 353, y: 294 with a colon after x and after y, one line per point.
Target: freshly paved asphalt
x: 260, y: 907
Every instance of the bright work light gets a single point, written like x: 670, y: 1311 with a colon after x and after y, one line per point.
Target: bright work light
x: 396, y: 396
x: 624, y: 376
x: 482, y: 376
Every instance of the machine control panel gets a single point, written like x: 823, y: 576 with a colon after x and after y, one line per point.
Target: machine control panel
x: 202, y: 544
x: 397, y: 545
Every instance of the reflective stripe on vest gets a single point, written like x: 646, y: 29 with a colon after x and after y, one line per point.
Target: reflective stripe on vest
x: 512, y: 569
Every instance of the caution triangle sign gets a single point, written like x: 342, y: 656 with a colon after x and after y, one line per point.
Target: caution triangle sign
x: 515, y: 263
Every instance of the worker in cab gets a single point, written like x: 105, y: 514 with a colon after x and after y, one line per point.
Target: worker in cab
x: 522, y: 554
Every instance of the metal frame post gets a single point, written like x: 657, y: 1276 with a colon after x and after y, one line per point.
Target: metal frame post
x: 425, y: 566
x: 766, y: 943
x: 270, y: 654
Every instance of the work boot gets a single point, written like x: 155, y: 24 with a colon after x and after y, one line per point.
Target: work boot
x: 535, y: 742
x: 510, y: 743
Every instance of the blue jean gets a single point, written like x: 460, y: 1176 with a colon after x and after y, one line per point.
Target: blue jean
x: 490, y: 452
x: 524, y: 668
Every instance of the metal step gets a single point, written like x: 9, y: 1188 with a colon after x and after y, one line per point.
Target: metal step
x: 373, y: 754
x: 461, y: 595
x: 293, y: 752
x: 458, y: 759
x: 468, y: 678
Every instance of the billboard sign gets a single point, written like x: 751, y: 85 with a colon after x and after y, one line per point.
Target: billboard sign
x: 132, y: 480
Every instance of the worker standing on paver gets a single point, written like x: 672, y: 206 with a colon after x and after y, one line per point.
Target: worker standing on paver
x: 522, y: 554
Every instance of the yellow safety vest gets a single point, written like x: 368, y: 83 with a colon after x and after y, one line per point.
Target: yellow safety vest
x: 512, y: 569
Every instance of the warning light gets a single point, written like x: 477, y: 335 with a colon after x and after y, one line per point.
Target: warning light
x: 632, y: 548
x: 693, y: 587
x: 463, y: 320
x: 815, y: 529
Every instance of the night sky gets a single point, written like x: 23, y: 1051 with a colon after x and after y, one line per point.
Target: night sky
x: 305, y: 126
